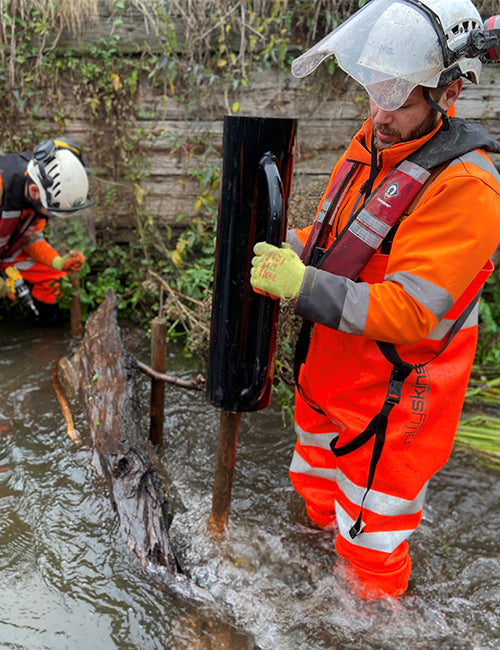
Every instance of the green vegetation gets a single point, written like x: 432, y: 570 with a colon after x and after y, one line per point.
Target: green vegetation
x: 488, y: 352
x: 193, y: 49
x: 482, y: 434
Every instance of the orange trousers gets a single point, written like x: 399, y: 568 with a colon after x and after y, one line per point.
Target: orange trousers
x: 347, y: 378
x: 379, y: 557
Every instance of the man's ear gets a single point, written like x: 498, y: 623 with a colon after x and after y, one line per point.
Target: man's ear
x: 451, y: 94
x: 33, y: 192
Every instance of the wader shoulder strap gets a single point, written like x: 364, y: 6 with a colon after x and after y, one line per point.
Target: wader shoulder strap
x: 378, y: 428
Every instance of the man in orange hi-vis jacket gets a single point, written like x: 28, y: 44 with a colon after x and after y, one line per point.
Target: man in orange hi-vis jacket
x: 50, y: 181
x: 389, y: 276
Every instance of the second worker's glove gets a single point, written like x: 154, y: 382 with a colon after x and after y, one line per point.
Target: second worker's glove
x: 277, y: 271
x: 72, y: 261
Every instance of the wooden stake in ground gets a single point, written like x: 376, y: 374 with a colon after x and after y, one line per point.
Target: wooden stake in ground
x: 158, y: 363
x: 75, y: 310
x: 224, y: 470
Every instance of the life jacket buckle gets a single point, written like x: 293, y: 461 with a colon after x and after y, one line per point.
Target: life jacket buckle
x: 316, y: 256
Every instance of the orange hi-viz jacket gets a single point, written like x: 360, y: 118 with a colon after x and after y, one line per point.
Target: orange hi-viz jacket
x: 411, y: 298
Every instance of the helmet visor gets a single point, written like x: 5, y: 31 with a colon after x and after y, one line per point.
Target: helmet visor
x: 56, y: 211
x: 388, y: 46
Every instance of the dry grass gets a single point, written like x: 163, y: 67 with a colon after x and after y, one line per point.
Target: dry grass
x: 201, y: 19
x: 488, y: 7
x: 64, y: 14
x: 69, y: 15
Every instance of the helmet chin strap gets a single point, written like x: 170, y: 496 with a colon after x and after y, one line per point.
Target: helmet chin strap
x: 437, y: 107
x: 38, y: 206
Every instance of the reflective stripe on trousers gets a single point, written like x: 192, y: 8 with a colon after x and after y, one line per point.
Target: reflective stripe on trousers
x: 384, y: 506
x: 379, y: 556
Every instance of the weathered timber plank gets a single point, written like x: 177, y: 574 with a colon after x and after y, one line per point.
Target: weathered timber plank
x: 326, y: 123
x: 110, y: 404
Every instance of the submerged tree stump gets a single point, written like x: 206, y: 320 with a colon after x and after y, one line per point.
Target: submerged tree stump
x: 110, y: 404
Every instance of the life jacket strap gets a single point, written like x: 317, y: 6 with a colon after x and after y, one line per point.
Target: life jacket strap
x: 322, y: 225
x: 20, y: 230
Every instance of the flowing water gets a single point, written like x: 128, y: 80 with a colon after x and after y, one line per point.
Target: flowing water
x: 68, y: 581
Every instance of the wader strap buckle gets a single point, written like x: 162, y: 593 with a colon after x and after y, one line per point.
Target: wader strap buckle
x: 398, y: 375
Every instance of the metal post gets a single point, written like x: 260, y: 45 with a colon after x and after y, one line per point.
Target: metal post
x: 224, y: 470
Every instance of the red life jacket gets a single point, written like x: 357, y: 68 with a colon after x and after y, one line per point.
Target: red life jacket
x: 370, y: 224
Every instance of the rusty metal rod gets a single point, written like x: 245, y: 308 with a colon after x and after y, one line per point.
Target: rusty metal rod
x: 224, y: 470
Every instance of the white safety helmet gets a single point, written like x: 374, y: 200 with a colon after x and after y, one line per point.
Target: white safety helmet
x: 58, y: 171
x: 392, y: 46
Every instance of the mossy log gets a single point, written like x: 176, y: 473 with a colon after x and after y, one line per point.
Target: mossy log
x: 110, y: 404
x: 102, y: 374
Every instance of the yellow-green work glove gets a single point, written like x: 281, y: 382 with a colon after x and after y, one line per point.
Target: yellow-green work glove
x: 277, y: 272
x: 72, y: 261
x: 3, y: 288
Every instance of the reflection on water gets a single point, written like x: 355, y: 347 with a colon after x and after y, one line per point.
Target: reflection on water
x: 67, y: 580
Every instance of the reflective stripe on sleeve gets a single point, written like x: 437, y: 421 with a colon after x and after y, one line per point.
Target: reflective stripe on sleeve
x: 477, y: 159
x: 434, y: 298
x: 444, y: 326
x: 36, y: 237
x: 23, y: 265
x: 333, y: 301
x: 355, y: 310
